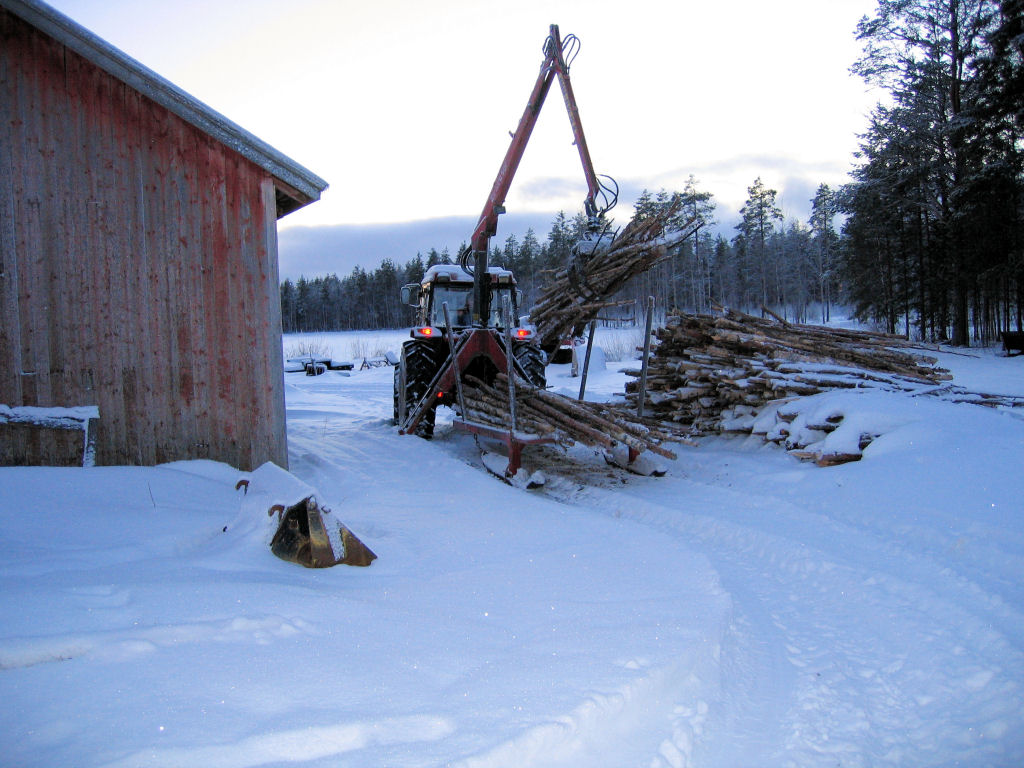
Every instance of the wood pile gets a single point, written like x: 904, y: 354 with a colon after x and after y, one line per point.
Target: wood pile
x: 546, y: 414
x: 713, y: 373
x: 809, y: 433
x: 578, y: 291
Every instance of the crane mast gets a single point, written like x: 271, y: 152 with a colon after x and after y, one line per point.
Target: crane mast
x: 558, y: 55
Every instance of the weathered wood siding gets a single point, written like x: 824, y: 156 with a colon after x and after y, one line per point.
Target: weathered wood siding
x: 138, y: 270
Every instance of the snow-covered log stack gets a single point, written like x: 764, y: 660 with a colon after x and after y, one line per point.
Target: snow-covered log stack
x: 577, y: 292
x: 714, y: 373
x: 566, y: 421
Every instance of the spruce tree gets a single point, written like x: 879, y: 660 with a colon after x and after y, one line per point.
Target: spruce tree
x: 759, y: 214
x: 824, y: 246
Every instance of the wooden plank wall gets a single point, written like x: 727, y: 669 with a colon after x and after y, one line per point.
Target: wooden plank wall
x: 138, y: 269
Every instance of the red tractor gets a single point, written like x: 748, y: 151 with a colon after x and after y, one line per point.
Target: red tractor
x: 427, y: 356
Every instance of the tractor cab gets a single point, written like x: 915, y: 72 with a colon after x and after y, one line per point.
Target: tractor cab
x: 450, y: 284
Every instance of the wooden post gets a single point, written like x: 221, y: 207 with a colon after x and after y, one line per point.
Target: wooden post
x: 647, y: 356
x: 89, y: 442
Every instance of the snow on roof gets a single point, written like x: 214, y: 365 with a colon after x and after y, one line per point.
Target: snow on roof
x: 457, y: 273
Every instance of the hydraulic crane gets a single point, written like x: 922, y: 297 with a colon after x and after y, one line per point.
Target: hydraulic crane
x: 448, y: 344
x: 558, y: 57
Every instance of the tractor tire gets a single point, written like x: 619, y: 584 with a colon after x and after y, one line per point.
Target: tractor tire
x: 534, y: 362
x: 420, y: 362
x: 398, y: 389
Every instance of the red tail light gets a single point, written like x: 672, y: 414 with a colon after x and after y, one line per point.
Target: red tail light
x: 425, y: 332
x: 523, y: 333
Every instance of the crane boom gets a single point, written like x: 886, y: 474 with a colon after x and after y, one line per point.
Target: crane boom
x: 553, y: 66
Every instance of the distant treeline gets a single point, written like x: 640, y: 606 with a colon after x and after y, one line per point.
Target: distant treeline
x: 788, y: 268
x: 926, y: 239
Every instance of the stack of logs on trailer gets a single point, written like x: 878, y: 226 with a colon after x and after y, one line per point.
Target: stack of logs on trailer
x: 710, y: 371
x: 565, y: 421
x: 708, y: 374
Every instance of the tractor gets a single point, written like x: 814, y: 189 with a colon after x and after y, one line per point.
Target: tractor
x: 449, y: 286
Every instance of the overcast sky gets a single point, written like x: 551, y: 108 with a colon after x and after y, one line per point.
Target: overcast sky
x: 405, y: 106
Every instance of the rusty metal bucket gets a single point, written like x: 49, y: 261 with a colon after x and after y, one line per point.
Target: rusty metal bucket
x: 312, y: 537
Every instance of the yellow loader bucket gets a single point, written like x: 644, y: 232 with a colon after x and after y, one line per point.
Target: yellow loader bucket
x: 312, y: 537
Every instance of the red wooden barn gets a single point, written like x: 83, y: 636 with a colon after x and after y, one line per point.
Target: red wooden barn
x: 138, y: 259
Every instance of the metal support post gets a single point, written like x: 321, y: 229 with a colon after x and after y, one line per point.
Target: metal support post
x: 455, y: 360
x: 647, y: 355
x: 586, y: 360
x: 511, y: 363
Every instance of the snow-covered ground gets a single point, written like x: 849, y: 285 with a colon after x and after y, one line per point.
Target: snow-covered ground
x: 746, y: 609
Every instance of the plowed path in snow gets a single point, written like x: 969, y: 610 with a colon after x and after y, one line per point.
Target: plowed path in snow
x: 862, y: 634
x: 874, y: 608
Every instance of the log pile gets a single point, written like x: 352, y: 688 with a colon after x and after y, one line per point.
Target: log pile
x: 813, y: 433
x: 565, y: 421
x: 577, y: 292
x: 714, y: 373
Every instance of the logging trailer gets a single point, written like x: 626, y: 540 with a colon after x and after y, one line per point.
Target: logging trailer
x: 467, y: 313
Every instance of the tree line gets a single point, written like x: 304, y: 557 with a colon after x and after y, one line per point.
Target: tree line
x: 926, y: 239
x: 788, y: 268
x: 364, y: 300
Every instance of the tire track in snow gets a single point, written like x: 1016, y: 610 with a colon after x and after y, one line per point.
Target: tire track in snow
x: 113, y: 645
x: 663, y: 710
x: 294, y: 745
x: 935, y: 675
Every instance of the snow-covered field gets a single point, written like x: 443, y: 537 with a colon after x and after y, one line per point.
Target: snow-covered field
x: 746, y: 609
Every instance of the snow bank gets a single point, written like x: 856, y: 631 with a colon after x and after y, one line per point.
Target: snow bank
x: 490, y: 613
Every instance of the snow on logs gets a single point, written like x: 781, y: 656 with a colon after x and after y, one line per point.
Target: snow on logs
x: 717, y: 373
x: 547, y: 414
x: 577, y: 292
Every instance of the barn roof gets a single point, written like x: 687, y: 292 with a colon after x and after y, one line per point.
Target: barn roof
x: 300, y: 186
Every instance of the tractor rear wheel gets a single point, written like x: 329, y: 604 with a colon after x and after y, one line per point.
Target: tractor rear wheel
x: 533, y: 360
x: 419, y: 364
